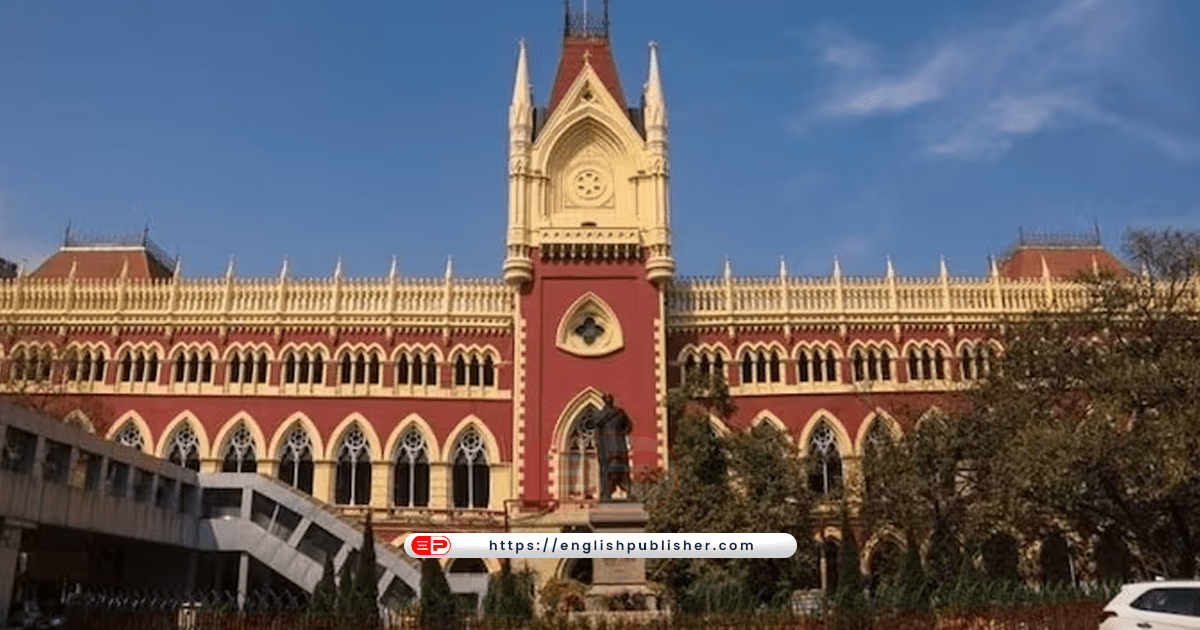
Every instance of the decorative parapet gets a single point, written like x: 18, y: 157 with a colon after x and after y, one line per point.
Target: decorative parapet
x: 278, y: 301
x: 788, y: 300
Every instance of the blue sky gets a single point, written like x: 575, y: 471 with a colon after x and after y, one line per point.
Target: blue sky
x: 858, y: 128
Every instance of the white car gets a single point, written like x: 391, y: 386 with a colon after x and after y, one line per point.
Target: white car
x: 1169, y: 605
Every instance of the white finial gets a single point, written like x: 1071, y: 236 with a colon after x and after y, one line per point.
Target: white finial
x: 945, y: 273
x: 782, y: 267
x: 1045, y: 268
x: 995, y: 268
x: 283, y: 271
x: 177, y: 273
x: 1145, y: 270
x: 1095, y: 266
x: 655, y: 103
x: 337, y: 268
x: 728, y: 271
x: 229, y: 269
x: 891, y: 271
x: 449, y: 267
x: 393, y: 271
x: 521, y: 110
x: 74, y: 264
x: 837, y: 268
x: 124, y: 268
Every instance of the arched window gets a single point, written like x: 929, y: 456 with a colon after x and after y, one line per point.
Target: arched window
x: 131, y: 436
x: 825, y: 462
x: 185, y: 448
x: 411, y: 477
x: 402, y: 371
x: 914, y: 365
x: 747, y: 368
x: 353, y: 484
x: 966, y: 363
x: 295, y: 460
x: 774, y: 364
x: 939, y: 364
x: 240, y: 456
x: 460, y: 371
x: 860, y: 363
x: 831, y: 366
x: 689, y: 365
x: 581, y: 460
x: 472, y: 478
x: 885, y: 365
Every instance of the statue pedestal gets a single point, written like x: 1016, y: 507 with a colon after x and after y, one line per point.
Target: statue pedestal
x: 623, y: 577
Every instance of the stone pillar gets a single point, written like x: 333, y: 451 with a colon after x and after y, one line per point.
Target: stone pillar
x: 323, y: 480
x: 611, y: 576
x: 440, y: 492
x: 381, y: 484
x: 243, y: 579
x: 10, y: 551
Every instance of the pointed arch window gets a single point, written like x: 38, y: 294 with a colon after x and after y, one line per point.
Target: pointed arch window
x: 240, y: 455
x: 411, y: 476
x: 966, y: 363
x: 296, y: 460
x: 185, y: 448
x: 472, y: 477
x: 460, y: 371
x: 824, y: 460
x: 581, y: 460
x: 131, y: 436
x: 860, y: 373
x: 747, y: 368
x: 353, y: 483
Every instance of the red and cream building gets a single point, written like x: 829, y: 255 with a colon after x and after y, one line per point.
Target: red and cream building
x: 453, y: 402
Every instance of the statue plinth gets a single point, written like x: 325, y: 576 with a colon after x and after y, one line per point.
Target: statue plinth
x: 618, y: 576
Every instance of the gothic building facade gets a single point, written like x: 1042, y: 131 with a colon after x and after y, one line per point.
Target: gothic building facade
x: 455, y: 403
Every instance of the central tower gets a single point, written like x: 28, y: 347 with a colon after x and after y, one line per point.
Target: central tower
x: 588, y: 253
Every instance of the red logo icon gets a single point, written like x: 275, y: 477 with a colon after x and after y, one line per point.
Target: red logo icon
x: 430, y: 545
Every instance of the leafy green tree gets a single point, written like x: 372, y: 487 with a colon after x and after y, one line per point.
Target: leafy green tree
x: 749, y: 481
x: 438, y: 609
x: 510, y: 595
x: 325, y: 595
x: 849, y: 596
x: 348, y: 599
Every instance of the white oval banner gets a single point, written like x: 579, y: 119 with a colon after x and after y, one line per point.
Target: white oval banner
x: 615, y: 545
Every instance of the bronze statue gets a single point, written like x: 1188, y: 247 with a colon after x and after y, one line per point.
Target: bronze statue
x: 612, y: 427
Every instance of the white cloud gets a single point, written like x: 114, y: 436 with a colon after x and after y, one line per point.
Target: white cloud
x: 988, y: 87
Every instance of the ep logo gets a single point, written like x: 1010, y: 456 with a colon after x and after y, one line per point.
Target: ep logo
x: 430, y: 545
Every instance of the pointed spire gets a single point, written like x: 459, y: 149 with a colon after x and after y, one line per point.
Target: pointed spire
x: 942, y: 270
x: 891, y: 271
x: 728, y: 271
x: 655, y: 107
x: 837, y: 268
x: 74, y: 266
x: 449, y: 268
x: 1095, y: 266
x: 1045, y: 268
x: 124, y: 268
x: 520, y: 113
x: 229, y: 269
x: 283, y: 271
x: 394, y: 271
x: 337, y: 269
x: 782, y: 267
x: 177, y: 273
x: 995, y: 268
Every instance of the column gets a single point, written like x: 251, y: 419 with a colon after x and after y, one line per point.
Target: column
x: 10, y: 551
x: 243, y: 579
x: 381, y: 483
x: 440, y: 496
x: 323, y: 480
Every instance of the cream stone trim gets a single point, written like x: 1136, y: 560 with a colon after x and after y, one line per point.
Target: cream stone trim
x: 755, y: 346
x: 133, y: 346
x: 886, y: 533
x: 368, y: 349
x: 770, y: 418
x: 590, y: 305
x: 467, y: 352
x: 923, y: 344
x: 878, y: 415
x: 189, y: 419
x: 845, y: 446
x: 412, y: 421
x: 374, y: 445
x: 562, y: 432
x: 408, y: 349
x: 711, y: 349
x: 490, y: 445
x: 82, y: 346
x: 301, y: 419
x: 136, y: 419
x: 195, y: 346
x: 932, y: 414
x: 517, y: 479
x: 242, y: 348
x: 82, y: 418
x: 220, y: 441
x: 719, y: 426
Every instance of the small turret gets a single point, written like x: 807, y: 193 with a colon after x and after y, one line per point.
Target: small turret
x: 654, y: 107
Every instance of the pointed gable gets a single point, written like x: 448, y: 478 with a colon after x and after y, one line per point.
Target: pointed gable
x: 589, y: 50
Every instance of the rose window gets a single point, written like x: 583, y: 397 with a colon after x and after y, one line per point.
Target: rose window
x: 589, y: 184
